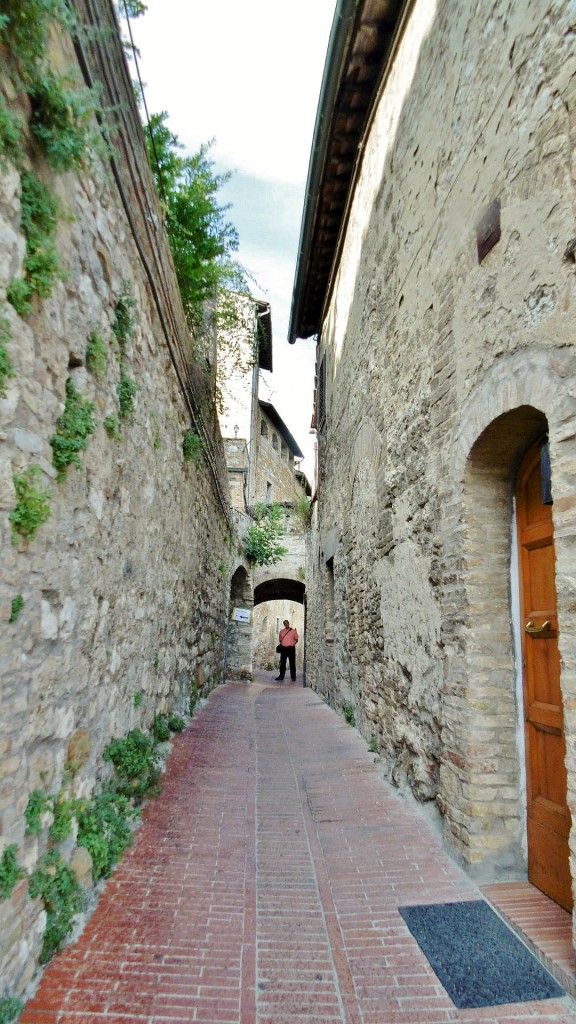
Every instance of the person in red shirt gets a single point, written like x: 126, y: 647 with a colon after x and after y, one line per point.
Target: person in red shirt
x: 288, y: 638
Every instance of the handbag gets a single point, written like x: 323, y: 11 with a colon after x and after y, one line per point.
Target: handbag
x: 279, y: 648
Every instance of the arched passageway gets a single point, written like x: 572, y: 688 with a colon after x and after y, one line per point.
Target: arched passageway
x: 279, y: 590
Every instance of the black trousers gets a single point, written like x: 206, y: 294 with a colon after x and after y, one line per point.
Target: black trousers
x: 290, y: 654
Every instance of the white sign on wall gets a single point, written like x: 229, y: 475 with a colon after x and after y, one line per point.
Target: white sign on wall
x: 241, y: 615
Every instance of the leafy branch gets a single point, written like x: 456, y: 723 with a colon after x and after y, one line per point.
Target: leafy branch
x: 263, y: 538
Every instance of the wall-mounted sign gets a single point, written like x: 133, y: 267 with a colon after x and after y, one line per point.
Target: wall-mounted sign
x: 241, y: 615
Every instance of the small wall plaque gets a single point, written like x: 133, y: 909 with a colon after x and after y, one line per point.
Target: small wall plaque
x: 241, y: 615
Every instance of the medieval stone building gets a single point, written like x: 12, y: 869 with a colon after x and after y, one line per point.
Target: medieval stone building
x: 437, y: 269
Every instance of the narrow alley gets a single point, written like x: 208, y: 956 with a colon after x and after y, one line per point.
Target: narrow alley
x: 264, y: 885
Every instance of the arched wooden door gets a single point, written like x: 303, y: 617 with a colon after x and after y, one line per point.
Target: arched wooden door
x: 547, y: 811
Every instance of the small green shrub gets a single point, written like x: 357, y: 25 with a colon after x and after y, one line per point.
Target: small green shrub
x: 104, y: 830
x: 193, y: 700
x: 10, y: 872
x: 32, y: 504
x: 96, y: 356
x: 136, y: 762
x: 373, y: 746
x: 73, y: 428
x: 124, y: 320
x: 38, y: 804
x: 263, y: 538
x: 10, y: 1009
x: 192, y: 447
x: 137, y: 699
x: 61, y: 120
x: 126, y: 391
x: 57, y: 886
x: 17, y: 606
x: 6, y: 368
x: 269, y: 666
x: 40, y: 211
x: 10, y: 135
x: 64, y: 809
x: 348, y: 713
x: 112, y: 428
x: 175, y: 723
x: 159, y: 729
x: 303, y: 510
x: 26, y: 25
x: 19, y: 295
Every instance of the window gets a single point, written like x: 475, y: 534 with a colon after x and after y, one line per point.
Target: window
x: 275, y: 441
x: 268, y: 493
x: 263, y: 428
x: 283, y: 450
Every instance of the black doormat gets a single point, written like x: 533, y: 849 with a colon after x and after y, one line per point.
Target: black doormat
x: 478, y: 959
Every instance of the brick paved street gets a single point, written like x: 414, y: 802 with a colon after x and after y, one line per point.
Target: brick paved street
x: 264, y: 883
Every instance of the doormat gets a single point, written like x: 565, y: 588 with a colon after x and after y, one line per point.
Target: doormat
x: 478, y: 959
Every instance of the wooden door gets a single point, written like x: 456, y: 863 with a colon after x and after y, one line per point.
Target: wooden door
x: 548, y: 815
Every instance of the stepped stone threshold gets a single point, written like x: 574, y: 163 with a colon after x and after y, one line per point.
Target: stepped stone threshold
x: 263, y: 888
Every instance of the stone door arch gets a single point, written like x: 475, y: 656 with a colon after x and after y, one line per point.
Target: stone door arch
x: 482, y: 774
x: 239, y: 629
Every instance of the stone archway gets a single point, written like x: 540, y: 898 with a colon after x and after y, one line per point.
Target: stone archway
x: 239, y: 631
x: 276, y: 599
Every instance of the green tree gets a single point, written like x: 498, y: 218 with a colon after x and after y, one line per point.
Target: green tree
x: 202, y: 239
x: 263, y: 539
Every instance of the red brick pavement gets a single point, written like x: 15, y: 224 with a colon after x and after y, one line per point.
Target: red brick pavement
x: 263, y: 887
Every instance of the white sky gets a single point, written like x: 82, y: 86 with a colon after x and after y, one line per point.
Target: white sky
x: 248, y: 74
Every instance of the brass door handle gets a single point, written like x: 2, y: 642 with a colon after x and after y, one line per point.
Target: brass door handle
x: 534, y: 630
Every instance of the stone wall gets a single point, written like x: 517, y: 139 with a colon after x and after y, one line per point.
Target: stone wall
x: 274, y: 478
x: 440, y: 371
x: 126, y: 586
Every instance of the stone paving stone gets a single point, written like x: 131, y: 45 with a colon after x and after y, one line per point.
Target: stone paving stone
x: 263, y: 888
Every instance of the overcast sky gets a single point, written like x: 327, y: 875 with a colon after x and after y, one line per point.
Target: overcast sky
x: 248, y: 75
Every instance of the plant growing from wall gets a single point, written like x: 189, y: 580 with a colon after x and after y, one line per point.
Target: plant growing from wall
x: 136, y: 762
x: 192, y: 447
x: 40, y: 211
x: 124, y: 320
x: 10, y: 135
x: 6, y: 368
x: 32, y: 504
x: 61, y: 120
x: 159, y: 729
x: 175, y: 723
x: 126, y: 391
x: 303, y: 510
x: 348, y: 713
x: 25, y: 27
x: 10, y: 1009
x: 104, y: 830
x: 56, y: 885
x: 64, y: 809
x: 38, y: 804
x: 263, y: 538
x: 112, y: 428
x: 62, y: 108
x: 17, y: 606
x: 73, y: 428
x: 10, y: 871
x: 96, y: 356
